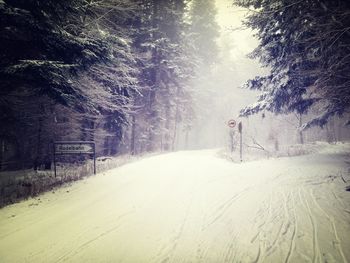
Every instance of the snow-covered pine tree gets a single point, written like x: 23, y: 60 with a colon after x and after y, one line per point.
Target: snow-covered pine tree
x: 306, y: 46
x: 163, y: 57
x: 205, y: 30
x: 75, y: 54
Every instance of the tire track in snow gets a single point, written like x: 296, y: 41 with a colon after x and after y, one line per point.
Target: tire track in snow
x: 280, y: 212
x: 172, y: 245
x: 230, y: 248
x: 202, y: 249
x: 230, y: 254
x: 271, y: 248
x: 225, y: 206
x: 262, y: 244
x: 83, y: 246
x: 282, y: 225
x: 315, y: 245
x: 295, y: 230
x: 271, y: 213
x: 267, y: 213
x: 339, y: 200
x: 338, y: 243
x: 257, y: 259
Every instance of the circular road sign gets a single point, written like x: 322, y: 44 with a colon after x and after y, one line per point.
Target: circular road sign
x: 231, y: 123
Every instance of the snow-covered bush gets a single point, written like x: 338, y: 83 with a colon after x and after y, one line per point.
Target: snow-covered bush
x: 17, y: 185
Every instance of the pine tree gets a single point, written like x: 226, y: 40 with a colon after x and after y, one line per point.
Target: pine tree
x: 306, y: 46
x: 69, y: 53
x: 116, y: 72
x: 165, y: 73
x: 205, y: 30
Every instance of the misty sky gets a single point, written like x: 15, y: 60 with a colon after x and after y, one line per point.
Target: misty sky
x: 230, y: 17
x: 233, y: 70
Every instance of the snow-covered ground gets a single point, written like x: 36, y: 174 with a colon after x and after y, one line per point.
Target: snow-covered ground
x: 191, y: 207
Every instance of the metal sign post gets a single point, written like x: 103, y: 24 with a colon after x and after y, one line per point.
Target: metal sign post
x: 74, y: 147
x: 240, y: 139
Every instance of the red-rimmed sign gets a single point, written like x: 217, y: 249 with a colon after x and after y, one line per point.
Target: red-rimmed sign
x: 231, y: 123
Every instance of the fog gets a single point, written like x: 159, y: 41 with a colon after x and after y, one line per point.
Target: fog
x: 220, y: 95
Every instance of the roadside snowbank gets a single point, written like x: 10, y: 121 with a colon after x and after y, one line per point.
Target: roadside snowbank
x: 18, y: 185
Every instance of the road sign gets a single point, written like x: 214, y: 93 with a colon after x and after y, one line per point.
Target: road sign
x: 231, y: 123
x: 74, y: 147
x: 70, y: 148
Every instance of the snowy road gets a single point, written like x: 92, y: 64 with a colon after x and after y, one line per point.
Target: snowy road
x: 191, y: 207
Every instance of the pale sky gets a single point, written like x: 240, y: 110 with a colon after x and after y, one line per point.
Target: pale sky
x: 231, y: 17
x: 241, y: 40
x: 233, y: 70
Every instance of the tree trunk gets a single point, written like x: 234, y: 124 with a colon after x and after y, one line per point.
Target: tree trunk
x: 301, y: 136
x: 38, y: 145
x: 334, y: 130
x: 133, y: 131
x: 167, y: 139
x: 330, y: 132
x: 186, y: 138
x: 2, y: 151
x: 175, y: 129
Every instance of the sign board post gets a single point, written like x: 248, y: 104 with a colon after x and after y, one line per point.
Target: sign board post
x: 73, y: 147
x: 240, y: 139
x: 54, y: 160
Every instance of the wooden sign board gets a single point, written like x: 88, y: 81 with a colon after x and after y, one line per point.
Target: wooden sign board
x: 74, y: 147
